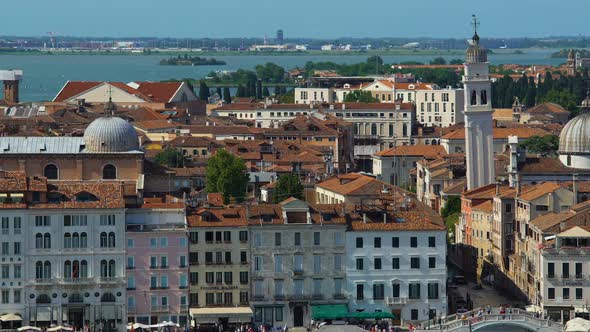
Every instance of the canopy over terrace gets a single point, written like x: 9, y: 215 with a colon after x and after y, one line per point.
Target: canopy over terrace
x: 340, y: 311
x: 213, y: 315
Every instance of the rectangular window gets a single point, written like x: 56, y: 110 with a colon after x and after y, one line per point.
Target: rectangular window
x: 566, y: 293
x: 243, y: 236
x: 17, y: 225
x: 359, y: 242
x: 360, y: 292
x: 359, y: 264
x: 228, y: 278
x: 164, y: 262
x: 209, y: 237
x: 193, y: 237
x: 414, y: 314
x: 377, y: 263
x: 153, y: 243
x: 5, y: 296
x: 279, y: 288
x: 17, y: 296
x: 153, y: 282
x: 193, y: 278
x: 258, y: 263
x: 414, y: 242
x: 278, y: 263
x: 578, y: 268
x: 432, y: 262
x: 227, y: 236
x: 395, y: 242
x: 551, y: 293
x: 414, y: 290
x: 277, y: 239
x: 337, y: 262
x: 337, y: 287
x: 153, y: 262
x: 338, y: 239
x: 298, y: 263
x: 297, y: 239
x: 395, y: 290
x: 243, y: 257
x: 377, y: 242
x: 316, y: 238
x: 431, y: 241
x: 228, y: 257
x: 17, y: 271
x: 164, y: 281
x: 182, y: 261
x: 395, y: 263
x: 550, y: 270
x: 565, y: 272
x: 130, y: 262
x: 5, y: 225
x: 433, y: 290
x: 378, y: 292
x: 243, y: 277
x: 317, y: 263
x: 209, y: 277
x: 164, y: 242
x: 415, y: 262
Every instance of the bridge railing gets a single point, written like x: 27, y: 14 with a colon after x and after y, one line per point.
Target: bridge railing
x: 471, y: 318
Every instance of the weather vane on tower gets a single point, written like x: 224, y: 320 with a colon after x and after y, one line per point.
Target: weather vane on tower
x: 475, y: 23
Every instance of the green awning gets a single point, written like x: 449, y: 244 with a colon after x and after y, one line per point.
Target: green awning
x: 340, y: 311
x: 329, y: 311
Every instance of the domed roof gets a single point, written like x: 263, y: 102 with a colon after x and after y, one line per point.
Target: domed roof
x: 476, y: 53
x: 110, y: 134
x: 575, y: 136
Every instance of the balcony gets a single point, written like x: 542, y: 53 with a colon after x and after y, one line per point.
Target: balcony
x: 42, y: 282
x: 75, y: 281
x: 110, y: 280
x: 397, y: 300
x: 298, y: 272
x: 160, y: 308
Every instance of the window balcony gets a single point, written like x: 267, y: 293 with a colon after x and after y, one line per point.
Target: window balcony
x: 160, y: 308
x: 75, y: 281
x: 110, y: 280
x: 397, y: 300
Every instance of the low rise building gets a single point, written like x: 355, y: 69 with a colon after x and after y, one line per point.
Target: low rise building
x: 396, y: 259
x: 157, y: 263
x: 314, y: 95
x: 219, y: 261
x: 440, y: 107
x: 297, y: 260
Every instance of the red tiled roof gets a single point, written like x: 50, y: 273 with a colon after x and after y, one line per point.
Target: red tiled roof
x: 502, y: 133
x: 74, y: 88
x: 160, y: 92
x: 420, y: 150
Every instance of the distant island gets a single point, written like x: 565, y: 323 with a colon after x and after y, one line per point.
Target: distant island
x: 185, y: 60
x: 562, y: 54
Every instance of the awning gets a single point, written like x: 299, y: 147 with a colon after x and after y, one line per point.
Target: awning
x: 329, y: 311
x: 212, y: 315
x: 371, y: 315
x: 577, y: 309
x: 533, y: 308
x: 10, y: 318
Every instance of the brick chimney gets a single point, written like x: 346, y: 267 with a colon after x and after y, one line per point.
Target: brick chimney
x: 11, y: 79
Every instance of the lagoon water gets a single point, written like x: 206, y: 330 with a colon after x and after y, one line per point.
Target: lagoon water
x: 44, y: 75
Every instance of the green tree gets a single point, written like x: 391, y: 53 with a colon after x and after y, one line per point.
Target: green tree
x: 265, y: 92
x: 456, y: 62
x: 360, y: 97
x: 545, y: 146
x: 453, y: 205
x: 241, y: 93
x: 226, y: 174
x: 562, y: 97
x: 438, y: 61
x: 170, y: 157
x: 259, y: 89
x: 203, y: 91
x: 226, y: 95
x: 288, y: 185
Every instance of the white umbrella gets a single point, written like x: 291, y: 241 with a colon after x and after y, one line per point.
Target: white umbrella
x: 28, y: 328
x: 577, y: 325
x: 59, y: 328
x: 10, y: 318
x: 137, y: 326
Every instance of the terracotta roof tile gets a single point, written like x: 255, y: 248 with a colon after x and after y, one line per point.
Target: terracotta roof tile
x: 536, y: 191
x: 353, y: 184
x: 420, y: 150
x: 502, y: 133
x: 160, y: 92
x: 74, y: 88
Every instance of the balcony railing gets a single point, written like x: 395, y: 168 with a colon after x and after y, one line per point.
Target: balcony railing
x: 160, y: 308
x: 397, y: 300
x: 75, y: 281
x: 110, y: 280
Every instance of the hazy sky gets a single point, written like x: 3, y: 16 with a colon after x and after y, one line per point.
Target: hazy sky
x: 298, y: 18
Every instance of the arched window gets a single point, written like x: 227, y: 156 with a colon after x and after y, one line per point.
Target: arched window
x: 51, y: 172
x: 374, y: 129
x: 434, y: 142
x: 103, y: 240
x: 76, y: 269
x: 43, y: 298
x: 382, y: 130
x: 107, y: 297
x: 47, y: 241
x: 111, y: 239
x: 404, y: 130
x: 367, y: 129
x: 109, y: 172
x: 473, y: 97
x: 391, y: 130
x: 67, y: 269
x: 67, y: 240
x: 39, y: 270
x: 83, y: 240
x: 484, y: 97
x: 75, y: 240
x: 356, y: 129
x: 83, y: 269
x: 47, y: 270
x: 112, y: 271
x: 426, y: 142
x: 38, y: 240
x: 103, y: 268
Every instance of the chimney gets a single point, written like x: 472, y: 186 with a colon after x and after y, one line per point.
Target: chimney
x: 343, y: 106
x: 11, y: 79
x: 497, y: 188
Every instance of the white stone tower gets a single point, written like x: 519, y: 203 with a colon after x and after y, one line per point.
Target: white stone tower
x: 479, y: 141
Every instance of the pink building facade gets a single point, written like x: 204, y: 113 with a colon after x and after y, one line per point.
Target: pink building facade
x: 157, y: 265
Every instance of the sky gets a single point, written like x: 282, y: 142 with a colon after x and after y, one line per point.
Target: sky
x: 298, y: 18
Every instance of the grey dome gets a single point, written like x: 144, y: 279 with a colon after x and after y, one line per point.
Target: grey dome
x: 575, y: 136
x: 476, y: 53
x: 110, y: 134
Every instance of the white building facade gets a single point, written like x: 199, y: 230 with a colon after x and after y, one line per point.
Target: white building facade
x: 440, y: 108
x: 400, y: 272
